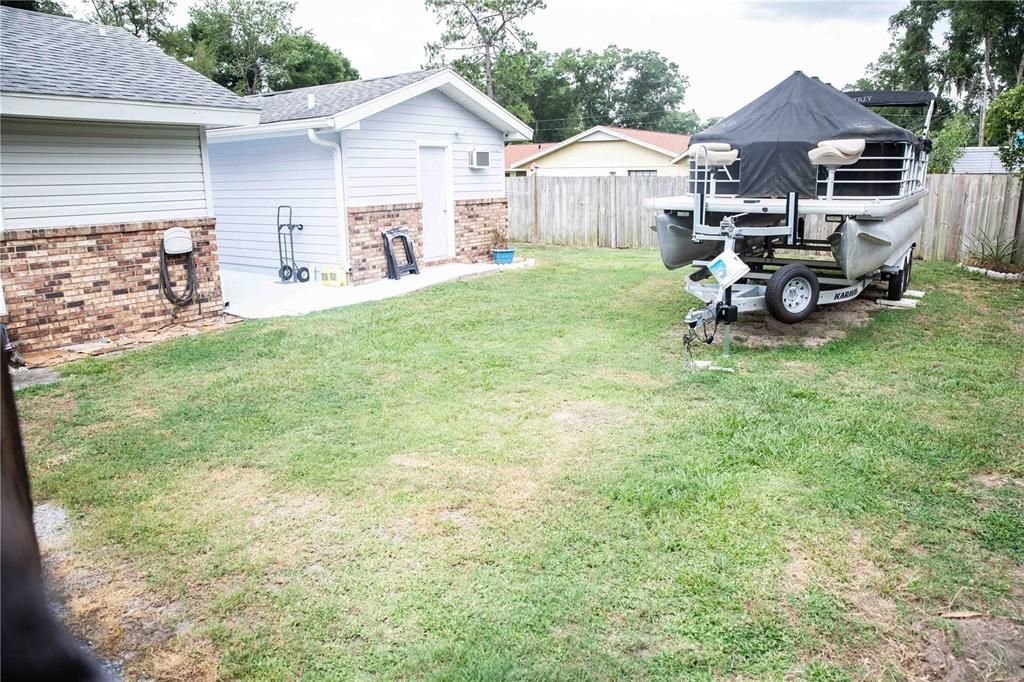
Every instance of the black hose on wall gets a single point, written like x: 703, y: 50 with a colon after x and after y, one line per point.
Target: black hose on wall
x: 191, y: 292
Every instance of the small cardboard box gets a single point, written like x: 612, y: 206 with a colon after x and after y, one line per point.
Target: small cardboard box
x: 331, y: 276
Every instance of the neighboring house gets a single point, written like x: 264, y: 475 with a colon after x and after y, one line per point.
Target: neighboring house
x: 979, y: 160
x: 103, y: 147
x: 421, y: 150
x: 605, y: 150
x: 514, y: 153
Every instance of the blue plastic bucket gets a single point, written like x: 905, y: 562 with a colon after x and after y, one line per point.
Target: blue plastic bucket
x: 503, y: 256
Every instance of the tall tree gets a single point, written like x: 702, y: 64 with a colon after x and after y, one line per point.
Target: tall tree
x: 145, y: 19
x: 976, y: 59
x: 479, y: 31
x: 250, y: 46
x: 302, y: 60
x: 42, y: 6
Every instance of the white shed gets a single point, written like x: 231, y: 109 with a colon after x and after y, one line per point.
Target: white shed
x: 421, y: 150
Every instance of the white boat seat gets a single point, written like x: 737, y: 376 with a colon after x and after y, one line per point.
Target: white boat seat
x: 836, y: 152
x: 715, y: 153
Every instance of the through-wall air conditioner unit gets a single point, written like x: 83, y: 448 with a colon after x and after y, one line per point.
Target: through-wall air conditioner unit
x: 478, y: 159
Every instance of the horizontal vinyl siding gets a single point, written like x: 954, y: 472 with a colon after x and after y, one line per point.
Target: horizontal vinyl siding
x: 381, y: 158
x: 56, y: 173
x: 252, y: 178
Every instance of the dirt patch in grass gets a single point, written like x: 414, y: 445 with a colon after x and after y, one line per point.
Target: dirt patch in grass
x: 409, y: 461
x: 642, y: 379
x: 796, y: 574
x: 591, y: 414
x: 864, y: 591
x: 973, y: 650
x: 40, y: 417
x: 138, y: 633
x: 828, y: 323
x: 995, y: 479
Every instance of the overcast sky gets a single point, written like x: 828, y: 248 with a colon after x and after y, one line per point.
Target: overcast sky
x: 731, y: 51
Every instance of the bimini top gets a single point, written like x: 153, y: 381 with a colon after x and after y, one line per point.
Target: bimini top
x: 775, y: 131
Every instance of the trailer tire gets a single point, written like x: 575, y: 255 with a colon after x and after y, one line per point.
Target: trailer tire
x: 896, y: 285
x: 792, y: 293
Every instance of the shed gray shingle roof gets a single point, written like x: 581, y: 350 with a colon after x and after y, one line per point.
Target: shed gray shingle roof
x: 292, y: 105
x: 48, y: 55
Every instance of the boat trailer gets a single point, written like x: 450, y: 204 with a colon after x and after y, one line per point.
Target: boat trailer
x: 788, y: 288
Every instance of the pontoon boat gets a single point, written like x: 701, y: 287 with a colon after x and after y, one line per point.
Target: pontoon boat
x: 802, y: 148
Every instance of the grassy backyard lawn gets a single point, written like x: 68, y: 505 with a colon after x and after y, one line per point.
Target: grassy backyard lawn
x: 514, y: 478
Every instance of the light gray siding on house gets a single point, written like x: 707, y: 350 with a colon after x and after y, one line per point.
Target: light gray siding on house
x: 62, y: 173
x: 251, y: 178
x: 978, y: 160
x: 380, y: 158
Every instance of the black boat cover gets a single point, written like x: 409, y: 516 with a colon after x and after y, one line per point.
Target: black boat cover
x: 776, y: 130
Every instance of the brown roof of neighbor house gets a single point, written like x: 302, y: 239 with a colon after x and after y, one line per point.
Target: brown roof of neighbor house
x: 672, y: 142
x: 517, y: 152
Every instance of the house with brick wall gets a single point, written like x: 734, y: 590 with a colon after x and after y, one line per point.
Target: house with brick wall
x: 102, y: 148
x: 420, y: 150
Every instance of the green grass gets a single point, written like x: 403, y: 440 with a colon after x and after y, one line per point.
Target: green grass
x: 515, y: 478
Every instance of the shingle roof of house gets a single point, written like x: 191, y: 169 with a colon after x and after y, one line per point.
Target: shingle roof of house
x: 293, y: 105
x: 672, y: 142
x: 979, y: 160
x: 45, y: 54
x: 517, y: 152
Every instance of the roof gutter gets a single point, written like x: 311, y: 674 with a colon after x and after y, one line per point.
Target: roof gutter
x: 339, y: 191
x: 268, y: 129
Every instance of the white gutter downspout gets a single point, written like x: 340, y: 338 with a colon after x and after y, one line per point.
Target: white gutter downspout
x: 339, y: 191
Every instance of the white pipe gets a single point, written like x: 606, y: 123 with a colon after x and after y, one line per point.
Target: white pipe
x: 339, y: 191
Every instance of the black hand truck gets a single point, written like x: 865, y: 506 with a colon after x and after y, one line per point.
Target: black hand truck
x: 286, y: 248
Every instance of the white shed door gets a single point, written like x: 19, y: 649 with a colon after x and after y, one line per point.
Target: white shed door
x: 434, y: 194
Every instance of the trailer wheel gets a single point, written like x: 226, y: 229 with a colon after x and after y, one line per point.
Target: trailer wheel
x: 792, y: 293
x: 899, y: 281
x: 896, y: 285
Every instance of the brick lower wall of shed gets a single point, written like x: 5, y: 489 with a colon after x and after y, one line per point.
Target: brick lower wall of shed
x: 475, y: 223
x: 366, y: 247
x: 66, y: 285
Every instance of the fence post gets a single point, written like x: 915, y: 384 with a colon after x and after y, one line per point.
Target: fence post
x: 615, y: 212
x: 534, y: 210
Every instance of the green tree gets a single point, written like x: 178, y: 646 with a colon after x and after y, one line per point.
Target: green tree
x: 302, y: 60
x: 651, y: 89
x: 145, y: 19
x: 479, y: 31
x: 623, y: 87
x: 41, y: 6
x: 250, y: 46
x: 1005, y: 126
x: 976, y: 59
x: 948, y: 143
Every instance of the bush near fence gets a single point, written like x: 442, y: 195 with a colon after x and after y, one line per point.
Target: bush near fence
x: 608, y: 211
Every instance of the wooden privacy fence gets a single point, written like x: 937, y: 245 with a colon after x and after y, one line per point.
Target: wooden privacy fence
x: 608, y: 211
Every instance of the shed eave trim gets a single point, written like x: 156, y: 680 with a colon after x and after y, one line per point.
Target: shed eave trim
x: 33, y: 105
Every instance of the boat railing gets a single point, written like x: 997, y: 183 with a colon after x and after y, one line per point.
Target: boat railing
x: 880, y: 176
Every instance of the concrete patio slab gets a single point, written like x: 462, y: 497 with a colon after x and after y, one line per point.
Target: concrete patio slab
x: 258, y: 295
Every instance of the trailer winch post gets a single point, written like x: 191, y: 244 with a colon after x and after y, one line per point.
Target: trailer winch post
x: 727, y: 333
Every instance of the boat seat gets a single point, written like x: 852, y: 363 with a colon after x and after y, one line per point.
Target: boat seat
x: 717, y: 153
x: 836, y: 152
